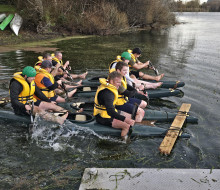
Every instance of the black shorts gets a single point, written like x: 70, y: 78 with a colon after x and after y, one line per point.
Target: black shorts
x: 54, y: 98
x: 135, y: 73
x: 103, y: 121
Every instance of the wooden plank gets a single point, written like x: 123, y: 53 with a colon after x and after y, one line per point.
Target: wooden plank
x: 172, y: 134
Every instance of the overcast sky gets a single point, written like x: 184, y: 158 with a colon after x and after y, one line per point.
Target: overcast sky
x: 201, y: 1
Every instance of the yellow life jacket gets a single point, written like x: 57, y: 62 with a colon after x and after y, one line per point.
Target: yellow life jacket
x: 118, y: 58
x: 38, y: 80
x: 121, y: 98
x: 57, y: 60
x: 28, y: 91
x: 38, y: 64
x: 101, y: 109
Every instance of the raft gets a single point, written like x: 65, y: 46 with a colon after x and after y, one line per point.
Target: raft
x: 150, y: 115
x: 87, y: 121
x: 6, y: 21
x: 94, y: 81
x: 90, y: 91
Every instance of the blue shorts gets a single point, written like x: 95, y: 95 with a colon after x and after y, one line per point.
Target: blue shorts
x: 54, y: 98
x: 128, y: 106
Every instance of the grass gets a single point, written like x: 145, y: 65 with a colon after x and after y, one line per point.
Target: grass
x: 7, y: 9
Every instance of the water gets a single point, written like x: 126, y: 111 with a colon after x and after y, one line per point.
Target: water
x: 54, y: 158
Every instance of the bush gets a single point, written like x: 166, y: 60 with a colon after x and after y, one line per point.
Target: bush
x: 92, y: 16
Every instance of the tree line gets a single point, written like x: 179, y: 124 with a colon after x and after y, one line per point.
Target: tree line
x: 195, y: 6
x: 94, y: 16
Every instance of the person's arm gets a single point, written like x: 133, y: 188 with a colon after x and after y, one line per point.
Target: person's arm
x: 46, y: 81
x: 107, y: 98
x: 41, y: 95
x: 15, y: 89
x: 129, y: 92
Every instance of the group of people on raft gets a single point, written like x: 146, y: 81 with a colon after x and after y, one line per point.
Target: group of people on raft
x: 114, y: 100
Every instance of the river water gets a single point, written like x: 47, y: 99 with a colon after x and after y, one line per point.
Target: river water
x: 189, y: 52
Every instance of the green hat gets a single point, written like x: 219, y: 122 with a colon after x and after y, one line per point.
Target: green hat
x: 126, y: 55
x: 29, y: 71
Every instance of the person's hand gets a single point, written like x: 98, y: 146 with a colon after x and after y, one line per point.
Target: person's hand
x: 129, y: 121
x: 59, y: 82
x: 53, y: 102
x: 147, y: 64
x: 28, y: 107
x: 66, y: 64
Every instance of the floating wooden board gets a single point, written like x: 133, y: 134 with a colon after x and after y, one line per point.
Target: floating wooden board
x: 172, y: 134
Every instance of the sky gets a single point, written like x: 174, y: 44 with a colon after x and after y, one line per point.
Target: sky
x: 201, y: 1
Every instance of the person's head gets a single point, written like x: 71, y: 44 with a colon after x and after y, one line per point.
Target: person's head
x: 58, y: 55
x: 47, y: 65
x: 29, y: 73
x: 114, y: 78
x: 47, y: 56
x: 122, y: 68
x: 126, y: 57
x: 136, y: 52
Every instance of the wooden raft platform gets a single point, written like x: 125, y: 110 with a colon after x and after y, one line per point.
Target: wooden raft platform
x: 172, y: 134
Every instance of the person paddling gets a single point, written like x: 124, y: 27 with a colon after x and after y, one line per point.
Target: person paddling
x: 22, y: 91
x: 139, y: 84
x: 137, y: 65
x: 104, y: 106
x: 47, y: 84
x: 57, y: 58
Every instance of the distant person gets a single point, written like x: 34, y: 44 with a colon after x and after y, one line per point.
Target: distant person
x: 22, y: 91
x: 57, y: 58
x: 137, y: 65
x: 139, y: 84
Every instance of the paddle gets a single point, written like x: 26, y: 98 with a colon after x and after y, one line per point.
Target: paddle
x: 155, y: 70
x: 65, y: 90
x: 67, y: 72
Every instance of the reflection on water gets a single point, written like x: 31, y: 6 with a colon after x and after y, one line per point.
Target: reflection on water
x: 188, y: 52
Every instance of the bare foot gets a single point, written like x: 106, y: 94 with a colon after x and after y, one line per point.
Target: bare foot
x: 158, y: 84
x: 79, y: 111
x: 61, y: 120
x: 79, y: 83
x: 159, y: 77
x: 83, y: 76
x: 71, y: 93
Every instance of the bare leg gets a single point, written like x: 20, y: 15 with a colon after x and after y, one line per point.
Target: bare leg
x: 71, y: 93
x: 50, y: 106
x: 143, y: 104
x: 60, y: 99
x: 122, y: 125
x: 139, y: 115
x: 149, y: 77
x: 49, y: 116
x: 147, y: 85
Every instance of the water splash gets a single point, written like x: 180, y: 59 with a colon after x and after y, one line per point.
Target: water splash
x: 49, y: 135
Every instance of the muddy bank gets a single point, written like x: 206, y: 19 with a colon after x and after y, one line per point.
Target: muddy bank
x: 31, y: 41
